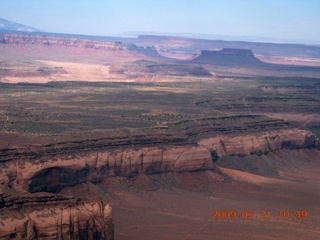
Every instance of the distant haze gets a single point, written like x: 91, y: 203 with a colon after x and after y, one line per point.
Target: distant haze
x: 273, y: 20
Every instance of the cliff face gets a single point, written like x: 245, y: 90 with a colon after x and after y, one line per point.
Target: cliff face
x: 54, y: 173
x: 29, y: 40
x: 259, y: 143
x: 190, y: 145
x: 52, y: 48
x: 149, y: 68
x: 228, y: 56
x: 48, y: 216
x: 184, y: 146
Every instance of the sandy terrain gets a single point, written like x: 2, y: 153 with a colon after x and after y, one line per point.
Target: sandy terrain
x: 290, y: 60
x: 176, y: 214
x: 185, y: 211
x: 248, y: 177
x: 75, y: 71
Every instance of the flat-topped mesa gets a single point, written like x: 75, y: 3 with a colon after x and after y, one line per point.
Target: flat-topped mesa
x: 184, y: 146
x: 34, y: 47
x: 237, y: 52
x: 150, y: 68
x: 228, y: 56
x: 29, y: 40
x: 180, y: 133
x: 52, y: 216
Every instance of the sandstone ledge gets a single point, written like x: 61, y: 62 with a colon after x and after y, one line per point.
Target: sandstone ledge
x: 189, y: 145
x: 51, y: 216
x: 183, y: 146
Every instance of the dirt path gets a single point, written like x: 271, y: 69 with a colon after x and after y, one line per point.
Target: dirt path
x: 6, y: 116
x: 304, y: 124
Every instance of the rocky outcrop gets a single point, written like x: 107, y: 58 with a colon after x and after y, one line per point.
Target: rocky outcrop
x: 228, y: 56
x: 183, y: 146
x: 31, y: 47
x: 148, y: 68
x: 43, y: 40
x: 150, y: 51
x: 52, y: 216
x: 51, y: 174
x: 259, y: 143
x: 189, y: 145
x: 180, y: 133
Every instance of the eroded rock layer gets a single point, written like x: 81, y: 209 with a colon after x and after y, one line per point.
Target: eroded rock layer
x: 27, y: 40
x: 183, y: 146
x: 189, y: 145
x: 51, y: 216
x: 41, y: 47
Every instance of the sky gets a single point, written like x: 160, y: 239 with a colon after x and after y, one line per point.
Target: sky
x: 295, y: 20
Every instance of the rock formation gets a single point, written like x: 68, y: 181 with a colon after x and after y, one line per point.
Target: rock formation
x: 149, y: 68
x: 49, y: 216
x: 57, y: 48
x: 189, y: 145
x: 75, y: 45
x: 150, y: 51
x: 228, y: 56
x: 29, y: 40
x: 183, y: 146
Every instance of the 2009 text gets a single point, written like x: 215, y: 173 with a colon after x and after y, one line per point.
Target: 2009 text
x: 262, y: 214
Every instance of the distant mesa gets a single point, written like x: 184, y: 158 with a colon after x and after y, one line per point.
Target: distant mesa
x: 150, y: 68
x: 228, y: 56
x: 149, y: 51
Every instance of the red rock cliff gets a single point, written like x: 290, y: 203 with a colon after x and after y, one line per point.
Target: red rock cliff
x: 188, y: 145
x: 48, y: 216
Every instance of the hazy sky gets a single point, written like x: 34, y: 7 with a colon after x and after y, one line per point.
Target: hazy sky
x: 284, y: 19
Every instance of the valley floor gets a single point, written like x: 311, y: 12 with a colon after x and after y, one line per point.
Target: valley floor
x: 180, y: 205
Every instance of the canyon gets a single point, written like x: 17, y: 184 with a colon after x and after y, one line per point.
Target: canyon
x: 119, y: 138
x: 27, y: 173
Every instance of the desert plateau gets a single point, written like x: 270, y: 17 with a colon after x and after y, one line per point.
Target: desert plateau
x: 158, y: 137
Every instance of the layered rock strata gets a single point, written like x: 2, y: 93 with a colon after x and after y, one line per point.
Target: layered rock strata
x: 189, y: 145
x: 183, y: 146
x: 24, y: 47
x: 49, y: 216
x: 42, y: 40
x: 149, y: 68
